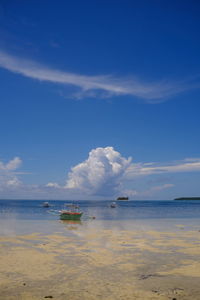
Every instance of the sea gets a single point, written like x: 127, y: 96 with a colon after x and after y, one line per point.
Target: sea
x: 29, y: 216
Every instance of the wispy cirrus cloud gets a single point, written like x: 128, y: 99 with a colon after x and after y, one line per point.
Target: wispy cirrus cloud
x: 92, y: 86
x: 144, y: 169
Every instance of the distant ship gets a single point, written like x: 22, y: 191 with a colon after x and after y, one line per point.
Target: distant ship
x: 122, y: 199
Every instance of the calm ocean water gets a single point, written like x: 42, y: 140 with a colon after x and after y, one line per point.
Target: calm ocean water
x: 26, y: 216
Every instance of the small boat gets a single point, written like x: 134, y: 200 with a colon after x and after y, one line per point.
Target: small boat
x: 70, y: 215
x: 46, y: 204
x: 113, y: 205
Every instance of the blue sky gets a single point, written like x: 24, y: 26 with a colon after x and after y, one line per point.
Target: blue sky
x: 87, y: 85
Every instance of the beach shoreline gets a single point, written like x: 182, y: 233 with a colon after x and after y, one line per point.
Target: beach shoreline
x: 101, y: 264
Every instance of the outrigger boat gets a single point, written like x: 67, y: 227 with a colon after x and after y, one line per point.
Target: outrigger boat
x: 70, y: 215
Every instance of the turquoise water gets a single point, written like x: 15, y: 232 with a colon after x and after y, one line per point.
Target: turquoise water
x: 27, y: 216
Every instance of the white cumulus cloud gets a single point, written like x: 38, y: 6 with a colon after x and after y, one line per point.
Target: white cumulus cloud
x: 13, y: 164
x: 8, y: 176
x: 101, y: 174
x: 52, y: 185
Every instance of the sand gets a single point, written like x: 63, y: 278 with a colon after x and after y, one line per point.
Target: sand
x: 101, y: 264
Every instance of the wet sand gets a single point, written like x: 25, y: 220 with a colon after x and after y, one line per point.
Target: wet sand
x: 101, y: 264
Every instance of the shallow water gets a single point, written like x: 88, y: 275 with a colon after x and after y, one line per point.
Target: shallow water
x: 27, y: 216
x: 138, y: 250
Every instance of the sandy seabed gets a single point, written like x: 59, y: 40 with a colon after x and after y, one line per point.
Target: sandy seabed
x: 101, y: 264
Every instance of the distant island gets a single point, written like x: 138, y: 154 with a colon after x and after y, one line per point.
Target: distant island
x: 188, y: 198
x: 122, y: 198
